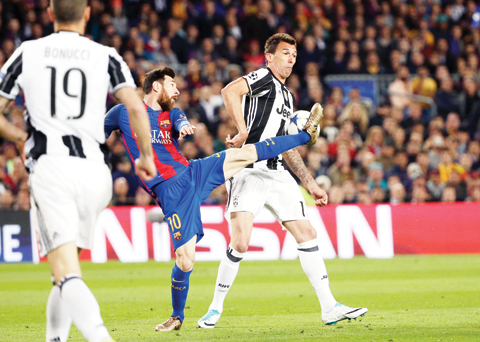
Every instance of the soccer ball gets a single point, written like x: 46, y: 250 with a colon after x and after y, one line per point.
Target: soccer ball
x: 298, y: 121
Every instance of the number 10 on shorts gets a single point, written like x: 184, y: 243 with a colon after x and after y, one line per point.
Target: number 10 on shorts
x: 174, y: 222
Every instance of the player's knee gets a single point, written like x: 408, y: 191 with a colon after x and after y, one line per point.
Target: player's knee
x: 249, y: 153
x: 239, y: 246
x: 307, y: 234
x: 185, y: 263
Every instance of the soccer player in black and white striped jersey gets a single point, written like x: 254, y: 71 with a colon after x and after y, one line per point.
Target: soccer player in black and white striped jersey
x: 261, y: 105
x: 65, y: 79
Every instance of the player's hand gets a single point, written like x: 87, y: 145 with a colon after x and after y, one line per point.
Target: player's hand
x: 237, y: 140
x: 145, y: 168
x: 187, y: 130
x: 319, y: 195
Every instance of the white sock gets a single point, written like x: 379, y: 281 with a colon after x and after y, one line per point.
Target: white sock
x: 83, y: 308
x: 227, y: 271
x: 314, y: 267
x: 58, y: 318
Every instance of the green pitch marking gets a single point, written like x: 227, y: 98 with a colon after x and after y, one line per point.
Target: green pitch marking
x: 410, y: 298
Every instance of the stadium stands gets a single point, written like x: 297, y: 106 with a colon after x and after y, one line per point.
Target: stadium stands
x: 399, y: 81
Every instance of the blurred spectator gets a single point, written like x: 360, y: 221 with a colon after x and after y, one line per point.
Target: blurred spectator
x: 397, y: 193
x: 374, y: 140
x: 120, y: 192
x: 142, y: 198
x: 336, y: 101
x: 165, y: 54
x: 446, y: 98
x: 447, y: 165
x: 375, y: 176
x: 424, y: 85
x: 449, y: 194
x: 338, y: 64
x: 470, y: 106
x: 7, y: 200
x: 413, y: 118
x: 419, y: 194
x: 342, y: 169
x: 434, y: 185
x: 254, y: 55
x: 314, y: 95
x: 386, y: 155
x: 400, y: 89
x: 336, y: 195
x: 308, y: 53
x: 400, y: 166
x: 350, y: 193
x: 357, y: 114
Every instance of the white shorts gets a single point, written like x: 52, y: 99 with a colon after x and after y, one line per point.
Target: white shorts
x: 252, y: 189
x: 67, y: 195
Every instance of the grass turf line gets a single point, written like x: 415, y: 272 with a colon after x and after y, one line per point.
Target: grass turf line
x: 410, y: 298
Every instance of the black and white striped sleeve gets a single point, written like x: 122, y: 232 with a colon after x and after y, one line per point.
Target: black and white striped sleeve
x: 119, y: 72
x: 10, y: 74
x: 257, y: 79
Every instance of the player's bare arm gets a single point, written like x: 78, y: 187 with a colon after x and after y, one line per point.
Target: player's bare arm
x: 232, y: 97
x: 9, y: 131
x: 187, y: 130
x: 296, y: 164
x: 141, y: 126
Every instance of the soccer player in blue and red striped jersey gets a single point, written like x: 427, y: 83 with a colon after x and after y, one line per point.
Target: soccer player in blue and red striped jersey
x: 180, y: 185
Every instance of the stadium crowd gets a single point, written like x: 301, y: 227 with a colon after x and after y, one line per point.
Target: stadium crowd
x: 419, y: 142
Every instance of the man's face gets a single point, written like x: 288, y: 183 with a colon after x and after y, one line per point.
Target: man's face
x: 168, y: 94
x: 283, y: 60
x: 403, y: 74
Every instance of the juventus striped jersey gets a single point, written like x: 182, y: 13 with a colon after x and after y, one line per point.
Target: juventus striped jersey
x: 267, y: 110
x: 65, y: 80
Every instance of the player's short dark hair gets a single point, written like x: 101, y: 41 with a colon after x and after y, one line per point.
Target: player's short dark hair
x: 156, y: 75
x: 272, y: 42
x: 68, y: 11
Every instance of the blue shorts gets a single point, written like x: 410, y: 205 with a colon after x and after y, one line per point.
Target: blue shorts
x: 180, y: 197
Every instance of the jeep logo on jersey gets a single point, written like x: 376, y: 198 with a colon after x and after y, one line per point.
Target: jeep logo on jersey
x: 165, y: 124
x: 283, y: 111
x: 161, y: 137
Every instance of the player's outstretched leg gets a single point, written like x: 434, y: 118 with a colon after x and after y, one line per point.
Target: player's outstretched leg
x: 237, y: 159
x: 272, y: 147
x: 227, y: 272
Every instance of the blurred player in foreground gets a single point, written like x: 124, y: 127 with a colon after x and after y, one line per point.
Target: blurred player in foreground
x: 65, y: 79
x: 261, y: 106
x: 181, y: 185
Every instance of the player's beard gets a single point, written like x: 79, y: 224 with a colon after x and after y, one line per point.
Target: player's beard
x: 166, y: 102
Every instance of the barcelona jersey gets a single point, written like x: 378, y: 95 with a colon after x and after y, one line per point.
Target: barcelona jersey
x: 165, y: 128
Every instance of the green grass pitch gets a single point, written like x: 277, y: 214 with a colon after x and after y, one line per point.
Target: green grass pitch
x: 410, y: 298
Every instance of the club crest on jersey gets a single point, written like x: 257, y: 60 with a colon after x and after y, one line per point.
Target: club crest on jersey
x: 177, y: 236
x: 165, y: 124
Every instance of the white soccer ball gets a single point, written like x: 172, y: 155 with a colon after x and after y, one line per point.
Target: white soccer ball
x: 298, y: 121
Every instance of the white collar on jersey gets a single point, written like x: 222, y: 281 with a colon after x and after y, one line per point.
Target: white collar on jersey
x: 68, y: 32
